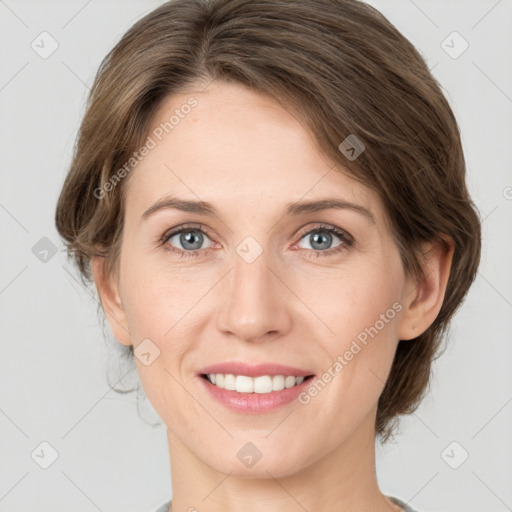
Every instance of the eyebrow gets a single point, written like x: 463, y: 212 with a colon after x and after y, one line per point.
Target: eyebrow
x: 292, y: 209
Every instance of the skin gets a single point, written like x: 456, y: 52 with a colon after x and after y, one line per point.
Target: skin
x: 249, y: 157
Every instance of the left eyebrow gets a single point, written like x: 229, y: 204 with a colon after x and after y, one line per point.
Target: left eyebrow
x: 292, y: 209
x: 305, y: 207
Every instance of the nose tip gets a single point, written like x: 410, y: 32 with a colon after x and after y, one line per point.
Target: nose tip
x: 254, y: 309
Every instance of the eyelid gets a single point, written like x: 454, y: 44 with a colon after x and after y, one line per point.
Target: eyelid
x: 328, y: 227
x: 183, y: 227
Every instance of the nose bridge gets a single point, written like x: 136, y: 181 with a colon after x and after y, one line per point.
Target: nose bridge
x: 254, y: 304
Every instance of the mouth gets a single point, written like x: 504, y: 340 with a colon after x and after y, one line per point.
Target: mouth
x: 253, y: 388
x: 262, y: 384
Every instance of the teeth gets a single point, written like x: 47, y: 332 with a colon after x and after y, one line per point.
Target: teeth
x: 245, y: 384
x: 229, y: 382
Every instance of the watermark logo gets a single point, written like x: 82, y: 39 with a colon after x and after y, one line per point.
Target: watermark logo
x: 44, y: 250
x: 44, y: 45
x: 146, y: 352
x: 249, y: 455
x: 249, y: 249
x: 352, y: 147
x: 454, y: 455
x: 44, y: 455
x: 454, y: 45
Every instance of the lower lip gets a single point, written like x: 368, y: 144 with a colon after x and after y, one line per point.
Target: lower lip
x: 254, y: 403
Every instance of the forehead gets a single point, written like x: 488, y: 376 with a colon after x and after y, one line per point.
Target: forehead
x: 232, y: 146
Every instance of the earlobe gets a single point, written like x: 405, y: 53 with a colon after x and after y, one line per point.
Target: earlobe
x: 110, y: 301
x: 423, y: 300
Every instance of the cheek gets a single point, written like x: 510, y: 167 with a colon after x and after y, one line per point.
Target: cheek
x: 157, y: 296
x: 159, y: 306
x: 361, y: 309
x: 350, y: 300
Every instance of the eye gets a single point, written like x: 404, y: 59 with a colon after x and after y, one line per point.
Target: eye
x: 320, y: 240
x: 189, y: 240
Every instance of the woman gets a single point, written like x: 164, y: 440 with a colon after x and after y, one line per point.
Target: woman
x: 270, y: 199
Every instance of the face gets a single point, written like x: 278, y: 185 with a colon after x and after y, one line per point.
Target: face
x: 255, y: 279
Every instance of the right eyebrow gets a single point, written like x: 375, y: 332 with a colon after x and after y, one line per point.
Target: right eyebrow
x: 170, y: 202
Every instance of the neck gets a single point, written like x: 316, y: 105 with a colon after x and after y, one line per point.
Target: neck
x: 343, y: 480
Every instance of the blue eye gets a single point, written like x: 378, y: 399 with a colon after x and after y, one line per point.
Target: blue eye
x: 321, y: 236
x: 192, y: 237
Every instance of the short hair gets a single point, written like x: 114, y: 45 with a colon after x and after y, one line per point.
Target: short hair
x: 343, y: 69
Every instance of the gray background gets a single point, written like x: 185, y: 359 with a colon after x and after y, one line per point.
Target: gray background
x: 54, y: 360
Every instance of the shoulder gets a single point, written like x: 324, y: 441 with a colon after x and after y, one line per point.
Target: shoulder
x: 405, y: 507
x: 164, y: 507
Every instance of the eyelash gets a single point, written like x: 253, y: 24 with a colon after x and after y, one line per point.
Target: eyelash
x: 347, y: 240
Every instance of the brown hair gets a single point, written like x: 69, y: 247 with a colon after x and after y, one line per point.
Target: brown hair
x: 342, y: 68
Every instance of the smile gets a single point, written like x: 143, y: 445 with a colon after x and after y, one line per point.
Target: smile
x: 253, y: 395
x: 262, y: 384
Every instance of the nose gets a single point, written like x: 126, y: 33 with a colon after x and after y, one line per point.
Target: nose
x: 252, y: 305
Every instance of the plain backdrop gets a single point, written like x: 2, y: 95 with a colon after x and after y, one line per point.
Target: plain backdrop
x: 454, y: 454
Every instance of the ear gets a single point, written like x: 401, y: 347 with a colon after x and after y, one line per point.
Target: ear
x: 422, y: 301
x: 110, y: 300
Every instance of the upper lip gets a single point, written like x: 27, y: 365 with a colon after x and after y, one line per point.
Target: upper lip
x: 254, y: 370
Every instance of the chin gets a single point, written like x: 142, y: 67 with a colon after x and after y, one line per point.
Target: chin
x: 258, y: 459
